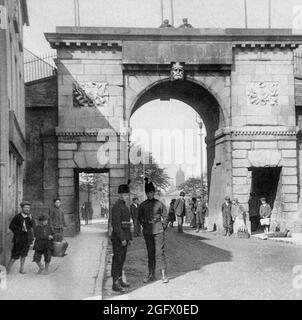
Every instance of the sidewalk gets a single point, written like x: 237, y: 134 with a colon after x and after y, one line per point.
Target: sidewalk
x: 79, y: 275
x: 296, y: 238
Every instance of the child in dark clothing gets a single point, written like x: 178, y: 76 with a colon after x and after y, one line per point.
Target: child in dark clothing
x: 43, y: 243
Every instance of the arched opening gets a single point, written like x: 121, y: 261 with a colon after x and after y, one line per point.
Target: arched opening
x: 198, y: 98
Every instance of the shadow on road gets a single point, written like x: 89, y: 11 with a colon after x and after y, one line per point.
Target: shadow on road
x: 185, y: 253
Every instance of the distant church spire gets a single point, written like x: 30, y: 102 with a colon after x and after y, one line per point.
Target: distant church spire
x: 180, y: 177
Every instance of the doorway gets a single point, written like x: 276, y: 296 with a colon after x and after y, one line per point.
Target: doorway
x: 92, y: 190
x: 265, y: 181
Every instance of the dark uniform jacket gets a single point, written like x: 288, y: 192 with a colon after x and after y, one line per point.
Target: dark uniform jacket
x: 153, y: 216
x: 56, y: 216
x: 42, y: 234
x: 17, y: 227
x: 180, y: 207
x: 121, y: 221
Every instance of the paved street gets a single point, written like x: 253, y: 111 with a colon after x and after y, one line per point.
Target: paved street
x: 209, y: 266
x: 76, y: 276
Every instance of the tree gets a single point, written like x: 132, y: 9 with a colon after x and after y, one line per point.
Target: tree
x: 149, y: 170
x: 192, y: 186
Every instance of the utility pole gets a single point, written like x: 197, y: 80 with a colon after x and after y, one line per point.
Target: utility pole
x: 245, y: 13
x: 77, y: 13
x: 200, y: 124
x: 269, y: 14
x: 172, y: 12
x: 162, y: 10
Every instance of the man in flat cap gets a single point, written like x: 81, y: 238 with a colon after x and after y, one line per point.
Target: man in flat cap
x: 180, y: 210
x: 120, y: 237
x: 21, y: 226
x: 226, y: 209
x: 153, y: 217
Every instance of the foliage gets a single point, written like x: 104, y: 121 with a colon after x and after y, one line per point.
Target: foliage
x: 97, y: 184
x: 192, y: 186
x: 150, y: 170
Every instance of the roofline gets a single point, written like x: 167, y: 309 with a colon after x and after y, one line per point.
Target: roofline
x: 239, y: 35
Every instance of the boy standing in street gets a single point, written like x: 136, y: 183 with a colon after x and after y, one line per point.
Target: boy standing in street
x: 21, y: 226
x: 43, y: 244
x: 57, y: 220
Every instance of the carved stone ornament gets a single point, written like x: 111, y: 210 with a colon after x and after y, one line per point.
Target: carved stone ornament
x: 263, y: 94
x: 90, y: 94
x: 177, y: 72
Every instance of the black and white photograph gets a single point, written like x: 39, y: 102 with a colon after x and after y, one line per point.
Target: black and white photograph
x: 150, y: 150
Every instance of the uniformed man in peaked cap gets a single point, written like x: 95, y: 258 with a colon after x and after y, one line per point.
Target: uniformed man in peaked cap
x: 120, y: 237
x: 153, y: 217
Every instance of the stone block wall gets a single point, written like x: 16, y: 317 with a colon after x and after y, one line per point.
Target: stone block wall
x: 95, y: 65
x: 41, y: 174
x: 263, y: 124
x: 267, y: 66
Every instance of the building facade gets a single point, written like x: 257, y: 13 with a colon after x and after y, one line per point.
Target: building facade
x: 241, y: 82
x: 13, y: 16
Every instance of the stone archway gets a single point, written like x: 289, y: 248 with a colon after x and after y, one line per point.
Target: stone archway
x: 194, y: 94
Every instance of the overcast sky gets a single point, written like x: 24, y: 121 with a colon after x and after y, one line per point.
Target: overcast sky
x: 45, y: 15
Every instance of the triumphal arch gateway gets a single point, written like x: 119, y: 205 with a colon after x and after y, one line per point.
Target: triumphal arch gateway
x: 240, y: 81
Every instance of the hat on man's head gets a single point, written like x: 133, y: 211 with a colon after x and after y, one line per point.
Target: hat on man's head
x: 263, y: 199
x: 182, y: 194
x: 227, y: 198
x: 149, y: 186
x: 124, y: 188
x: 25, y: 203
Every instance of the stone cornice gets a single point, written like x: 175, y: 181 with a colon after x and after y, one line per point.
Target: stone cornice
x: 113, y: 37
x: 84, y: 132
x: 256, y: 131
x: 264, y: 133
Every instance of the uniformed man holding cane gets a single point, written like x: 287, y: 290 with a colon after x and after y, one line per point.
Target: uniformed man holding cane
x: 120, y: 237
x: 153, y: 217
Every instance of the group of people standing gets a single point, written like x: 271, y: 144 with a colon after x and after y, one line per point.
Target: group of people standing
x: 234, y: 216
x: 43, y: 232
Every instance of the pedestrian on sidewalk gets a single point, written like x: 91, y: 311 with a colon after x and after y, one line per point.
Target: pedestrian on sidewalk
x: 171, y: 213
x: 226, y: 209
x: 120, y: 237
x: 134, y: 215
x: 43, y: 246
x: 21, y: 226
x: 201, y: 211
x: 57, y: 220
x: 180, y: 210
x: 154, y: 219
x: 193, y: 207
x: 265, y: 214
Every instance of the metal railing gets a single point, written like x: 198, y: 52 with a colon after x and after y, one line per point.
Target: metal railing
x: 298, y: 64
x: 39, y: 67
